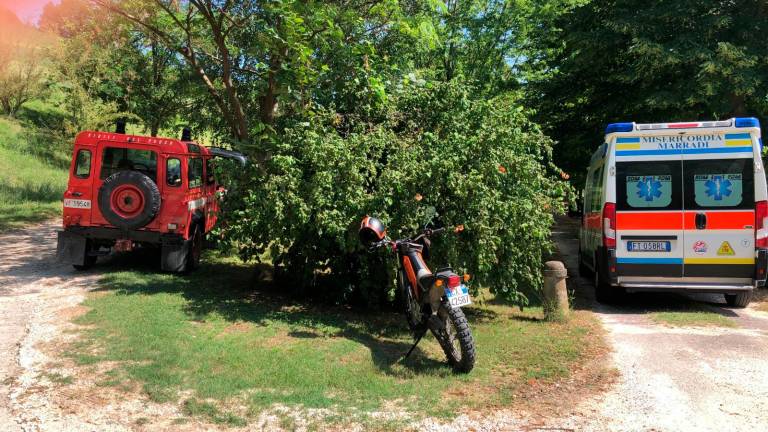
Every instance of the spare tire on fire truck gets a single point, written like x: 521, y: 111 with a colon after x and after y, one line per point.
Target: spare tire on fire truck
x: 129, y: 199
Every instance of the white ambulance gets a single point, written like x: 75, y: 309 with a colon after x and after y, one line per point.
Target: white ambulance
x: 678, y: 207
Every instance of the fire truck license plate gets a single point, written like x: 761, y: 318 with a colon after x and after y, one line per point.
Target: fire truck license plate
x: 649, y: 246
x: 458, y: 296
x: 78, y: 204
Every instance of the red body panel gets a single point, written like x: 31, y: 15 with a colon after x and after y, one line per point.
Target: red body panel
x: 179, y: 204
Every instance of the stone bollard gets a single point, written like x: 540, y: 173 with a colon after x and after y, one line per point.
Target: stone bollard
x: 555, y: 291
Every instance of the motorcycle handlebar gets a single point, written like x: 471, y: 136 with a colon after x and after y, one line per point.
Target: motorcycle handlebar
x: 426, y: 233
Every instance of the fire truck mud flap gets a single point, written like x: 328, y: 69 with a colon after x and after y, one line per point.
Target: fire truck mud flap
x: 173, y: 252
x: 71, y: 248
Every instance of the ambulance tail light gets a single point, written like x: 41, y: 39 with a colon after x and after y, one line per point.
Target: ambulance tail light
x: 761, y: 224
x: 609, y: 225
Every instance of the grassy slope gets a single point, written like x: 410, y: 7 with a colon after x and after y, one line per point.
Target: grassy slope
x: 31, y: 188
x: 240, y: 351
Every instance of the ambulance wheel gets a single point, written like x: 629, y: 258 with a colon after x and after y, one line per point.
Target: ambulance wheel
x: 739, y: 300
x: 604, y: 292
x: 584, y: 271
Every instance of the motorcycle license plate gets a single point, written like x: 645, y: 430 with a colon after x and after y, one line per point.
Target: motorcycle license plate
x: 459, y: 296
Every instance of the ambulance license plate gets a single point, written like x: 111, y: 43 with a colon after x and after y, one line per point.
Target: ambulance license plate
x: 649, y: 246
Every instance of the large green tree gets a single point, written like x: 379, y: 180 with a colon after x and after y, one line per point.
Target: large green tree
x: 627, y: 60
x: 354, y: 107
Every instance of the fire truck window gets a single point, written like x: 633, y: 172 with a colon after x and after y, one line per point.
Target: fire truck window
x: 195, y: 172
x: 173, y: 172
x: 124, y: 159
x: 83, y: 164
x: 210, y: 178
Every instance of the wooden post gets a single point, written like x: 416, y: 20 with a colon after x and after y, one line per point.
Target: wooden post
x: 555, y: 291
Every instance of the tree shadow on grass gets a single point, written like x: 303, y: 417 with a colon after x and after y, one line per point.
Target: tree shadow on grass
x: 237, y: 293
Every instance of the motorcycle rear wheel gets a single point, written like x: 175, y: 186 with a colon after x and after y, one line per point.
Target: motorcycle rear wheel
x: 451, y: 330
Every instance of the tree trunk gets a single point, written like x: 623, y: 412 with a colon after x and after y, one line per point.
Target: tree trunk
x: 268, y: 102
x: 738, y: 105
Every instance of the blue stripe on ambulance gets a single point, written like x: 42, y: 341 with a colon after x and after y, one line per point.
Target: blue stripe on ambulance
x: 649, y: 260
x: 684, y: 151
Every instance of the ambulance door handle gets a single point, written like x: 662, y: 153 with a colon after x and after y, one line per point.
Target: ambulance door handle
x: 701, y: 220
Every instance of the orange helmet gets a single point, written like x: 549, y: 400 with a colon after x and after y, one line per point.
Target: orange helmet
x: 371, y: 231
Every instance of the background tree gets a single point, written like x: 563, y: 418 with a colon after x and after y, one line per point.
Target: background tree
x: 625, y: 60
x: 113, y: 70
x: 21, y: 62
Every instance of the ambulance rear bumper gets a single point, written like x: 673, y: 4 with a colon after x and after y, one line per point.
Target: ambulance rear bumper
x: 686, y: 287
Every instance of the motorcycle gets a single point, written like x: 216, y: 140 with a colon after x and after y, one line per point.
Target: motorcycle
x: 430, y: 301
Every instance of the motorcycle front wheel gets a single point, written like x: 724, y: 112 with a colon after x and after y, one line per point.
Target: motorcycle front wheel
x: 452, y: 332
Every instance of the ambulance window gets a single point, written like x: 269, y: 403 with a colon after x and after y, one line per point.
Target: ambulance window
x: 649, y: 185
x: 723, y: 183
x: 195, y: 172
x: 588, y: 193
x: 597, y: 190
x: 83, y: 164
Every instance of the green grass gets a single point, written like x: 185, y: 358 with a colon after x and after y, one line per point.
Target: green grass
x: 58, y: 378
x: 32, y: 186
x: 692, y: 315
x: 239, y: 350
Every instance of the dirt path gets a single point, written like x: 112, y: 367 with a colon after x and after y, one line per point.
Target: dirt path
x: 34, y: 290
x: 675, y: 379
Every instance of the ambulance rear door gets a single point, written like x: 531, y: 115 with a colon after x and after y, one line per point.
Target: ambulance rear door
x: 649, y: 209
x: 719, y: 206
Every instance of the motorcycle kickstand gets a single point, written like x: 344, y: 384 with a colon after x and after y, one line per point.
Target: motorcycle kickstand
x: 418, y: 339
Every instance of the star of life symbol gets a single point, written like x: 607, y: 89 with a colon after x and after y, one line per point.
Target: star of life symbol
x: 718, y: 187
x: 649, y: 188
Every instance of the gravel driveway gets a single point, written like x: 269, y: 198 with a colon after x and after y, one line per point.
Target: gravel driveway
x: 675, y: 379
x: 34, y: 290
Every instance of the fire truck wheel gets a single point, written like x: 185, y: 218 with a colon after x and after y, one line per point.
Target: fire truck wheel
x: 195, y: 249
x: 89, y: 262
x: 129, y: 199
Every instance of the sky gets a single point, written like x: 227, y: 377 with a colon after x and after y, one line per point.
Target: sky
x: 28, y: 11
